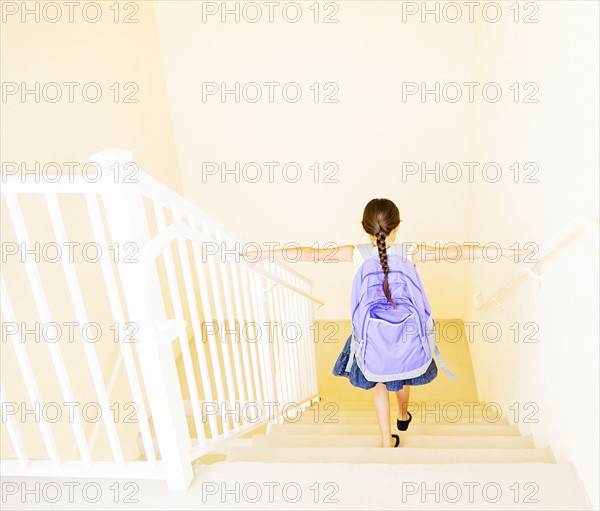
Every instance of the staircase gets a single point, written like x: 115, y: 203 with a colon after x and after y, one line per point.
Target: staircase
x: 435, y: 466
x: 191, y: 310
x: 326, y: 460
x: 352, y: 436
x: 457, y: 454
x: 462, y: 462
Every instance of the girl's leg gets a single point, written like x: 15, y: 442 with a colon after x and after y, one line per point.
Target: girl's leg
x: 403, y: 395
x: 382, y: 407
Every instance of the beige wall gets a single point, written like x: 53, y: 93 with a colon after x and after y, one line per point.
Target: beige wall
x: 106, y: 53
x: 559, y: 373
x: 368, y: 133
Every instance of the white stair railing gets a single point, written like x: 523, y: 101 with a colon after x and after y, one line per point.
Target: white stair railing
x: 216, y: 341
x: 582, y: 224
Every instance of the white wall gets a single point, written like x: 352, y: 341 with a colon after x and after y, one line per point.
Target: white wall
x: 559, y: 373
x: 369, y: 133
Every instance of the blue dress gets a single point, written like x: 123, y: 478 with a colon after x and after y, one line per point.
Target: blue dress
x: 357, y: 378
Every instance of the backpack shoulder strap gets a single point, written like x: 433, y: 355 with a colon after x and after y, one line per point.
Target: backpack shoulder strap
x: 442, y: 364
x: 403, y: 249
x: 435, y: 351
x: 353, y: 347
x: 364, y: 251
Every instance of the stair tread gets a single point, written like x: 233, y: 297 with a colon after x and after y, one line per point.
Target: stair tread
x: 557, y: 485
x: 372, y: 419
x: 475, y: 412
x: 370, y: 429
x: 441, y: 442
x: 379, y: 455
x: 369, y: 403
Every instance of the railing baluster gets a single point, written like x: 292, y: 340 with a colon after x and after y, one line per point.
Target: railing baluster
x: 13, y: 430
x: 279, y: 391
x: 281, y: 343
x: 300, y: 346
x: 308, y: 335
x: 218, y: 303
x: 255, y: 295
x: 291, y: 348
x: 193, y: 310
x: 82, y: 320
x: 222, y: 315
x: 283, y: 346
x: 46, y: 318
x: 235, y: 347
x: 237, y: 295
x: 312, y: 358
x: 297, y: 351
x: 269, y: 343
x: 178, y: 311
x: 27, y: 372
x: 264, y: 343
x: 110, y: 282
x: 208, y: 318
x: 252, y: 345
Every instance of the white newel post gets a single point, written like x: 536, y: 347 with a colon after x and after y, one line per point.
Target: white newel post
x: 128, y: 224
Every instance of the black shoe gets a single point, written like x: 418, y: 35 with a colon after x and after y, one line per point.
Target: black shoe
x: 403, y: 425
x: 397, y: 438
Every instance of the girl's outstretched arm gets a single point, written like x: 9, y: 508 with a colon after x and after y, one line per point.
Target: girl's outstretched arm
x: 425, y: 253
x: 337, y: 254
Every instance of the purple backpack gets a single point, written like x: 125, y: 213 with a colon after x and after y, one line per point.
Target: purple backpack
x: 391, y: 344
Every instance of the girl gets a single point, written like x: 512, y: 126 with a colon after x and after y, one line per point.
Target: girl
x: 380, y: 221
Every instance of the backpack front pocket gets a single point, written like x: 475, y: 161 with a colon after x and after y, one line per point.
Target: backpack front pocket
x: 394, y: 342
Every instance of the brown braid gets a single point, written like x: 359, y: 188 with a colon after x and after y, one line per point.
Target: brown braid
x: 381, y: 247
x: 380, y: 217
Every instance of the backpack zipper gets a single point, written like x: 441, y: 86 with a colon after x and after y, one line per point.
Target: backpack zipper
x: 391, y: 271
x: 416, y: 314
x: 379, y: 273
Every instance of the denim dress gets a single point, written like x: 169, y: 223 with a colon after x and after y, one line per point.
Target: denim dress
x: 355, y: 375
x: 357, y: 378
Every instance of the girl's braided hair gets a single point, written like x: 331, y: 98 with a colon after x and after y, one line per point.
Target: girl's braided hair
x: 380, y: 217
